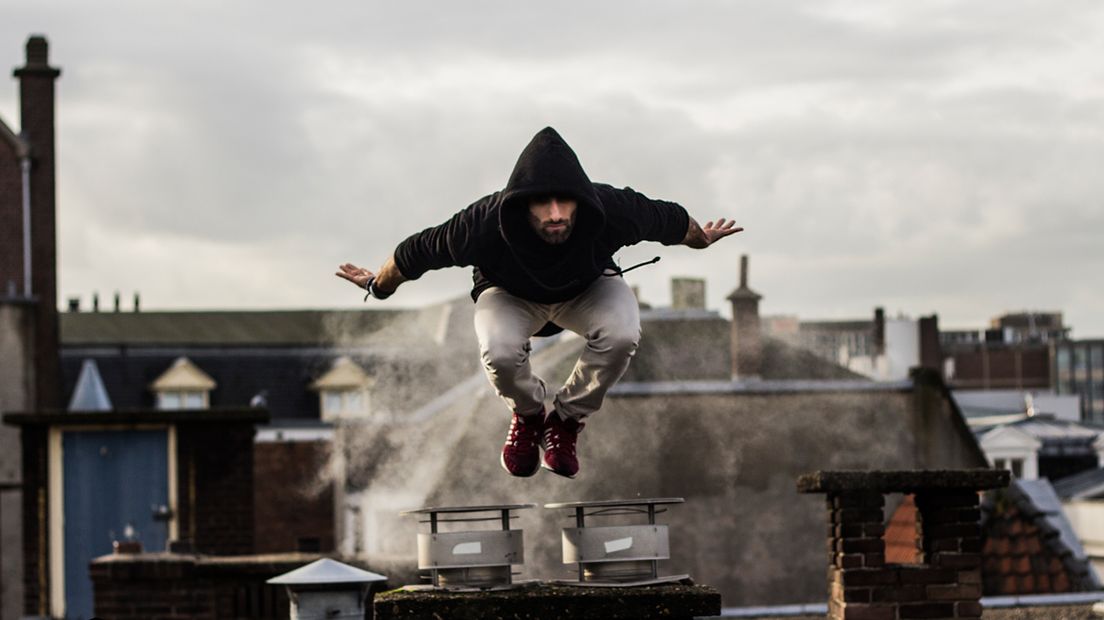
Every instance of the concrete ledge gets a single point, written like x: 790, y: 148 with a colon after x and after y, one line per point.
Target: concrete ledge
x: 904, y: 481
x: 551, y: 602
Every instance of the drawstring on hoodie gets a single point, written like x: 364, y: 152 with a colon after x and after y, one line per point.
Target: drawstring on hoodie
x: 617, y: 271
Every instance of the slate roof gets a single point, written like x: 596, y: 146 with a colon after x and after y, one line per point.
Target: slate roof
x: 1059, y: 437
x: 413, y: 354
x: 1085, y: 485
x: 222, y: 328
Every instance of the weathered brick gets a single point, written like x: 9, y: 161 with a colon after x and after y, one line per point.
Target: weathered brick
x: 926, y: 610
x: 898, y: 594
x: 860, y: 545
x: 861, y: 611
x: 954, y: 592
x: 868, y: 577
x: 859, y: 515
x: 856, y: 595
x: 968, y: 609
x: 969, y: 576
x: 857, y: 500
x: 970, y: 545
x: 850, y: 560
x: 926, y: 575
x: 874, y: 560
x: 873, y: 529
x: 957, y: 560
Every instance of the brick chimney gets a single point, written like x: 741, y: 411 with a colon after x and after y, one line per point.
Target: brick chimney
x: 879, y: 331
x: 687, y: 293
x: 946, y: 584
x: 931, y: 350
x: 746, y: 338
x: 36, y: 102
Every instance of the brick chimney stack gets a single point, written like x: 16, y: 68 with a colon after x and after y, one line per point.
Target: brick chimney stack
x: 688, y: 293
x: 36, y: 102
x: 746, y: 337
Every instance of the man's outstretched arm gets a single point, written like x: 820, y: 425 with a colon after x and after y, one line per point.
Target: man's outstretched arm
x: 387, y: 280
x: 699, y: 237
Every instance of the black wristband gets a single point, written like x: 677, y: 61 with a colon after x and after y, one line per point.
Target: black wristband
x: 373, y: 290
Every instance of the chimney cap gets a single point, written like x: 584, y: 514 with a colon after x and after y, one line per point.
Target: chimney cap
x: 326, y: 572
x: 38, y: 58
x: 743, y: 292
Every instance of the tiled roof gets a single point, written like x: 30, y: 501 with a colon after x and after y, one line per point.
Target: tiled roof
x: 1026, y: 549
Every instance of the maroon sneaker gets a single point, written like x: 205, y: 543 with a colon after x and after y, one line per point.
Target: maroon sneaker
x: 559, y: 445
x: 521, y: 453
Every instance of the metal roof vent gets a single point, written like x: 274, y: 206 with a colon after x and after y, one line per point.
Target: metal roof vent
x: 327, y: 589
x: 618, y: 555
x: 470, y: 559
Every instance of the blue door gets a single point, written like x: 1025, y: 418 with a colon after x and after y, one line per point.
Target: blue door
x: 115, y: 483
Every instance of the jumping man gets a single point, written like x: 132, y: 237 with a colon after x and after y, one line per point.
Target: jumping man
x: 542, y: 251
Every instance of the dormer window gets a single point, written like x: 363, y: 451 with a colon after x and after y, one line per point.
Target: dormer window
x: 183, y: 386
x: 344, y: 391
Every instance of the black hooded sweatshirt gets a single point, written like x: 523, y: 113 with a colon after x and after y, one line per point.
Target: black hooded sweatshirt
x: 494, y: 235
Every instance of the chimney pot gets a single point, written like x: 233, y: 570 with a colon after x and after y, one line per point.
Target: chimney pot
x: 74, y: 304
x: 117, y: 299
x: 743, y: 271
x: 137, y: 302
x: 95, y: 302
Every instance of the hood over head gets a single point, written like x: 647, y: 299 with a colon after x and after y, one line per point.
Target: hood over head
x: 548, y: 167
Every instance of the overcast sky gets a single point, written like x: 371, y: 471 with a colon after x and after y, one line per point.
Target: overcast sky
x: 926, y: 157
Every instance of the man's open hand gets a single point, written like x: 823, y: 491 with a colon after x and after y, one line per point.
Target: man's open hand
x: 357, y: 275
x: 715, y: 231
x: 700, y: 237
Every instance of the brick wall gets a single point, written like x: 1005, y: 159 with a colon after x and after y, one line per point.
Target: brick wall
x: 169, y: 586
x: 947, y: 582
x: 293, y: 508
x: 216, y: 485
x: 186, y: 587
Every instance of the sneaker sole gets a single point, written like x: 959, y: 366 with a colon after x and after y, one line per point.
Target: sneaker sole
x: 502, y: 462
x: 558, y: 473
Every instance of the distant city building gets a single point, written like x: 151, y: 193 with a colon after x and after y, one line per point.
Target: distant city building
x: 1079, y: 370
x: 1013, y: 353
x: 881, y: 349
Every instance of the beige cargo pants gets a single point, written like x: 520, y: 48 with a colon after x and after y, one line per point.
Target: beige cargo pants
x: 606, y: 314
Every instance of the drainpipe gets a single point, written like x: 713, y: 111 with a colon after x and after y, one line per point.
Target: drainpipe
x: 25, y: 163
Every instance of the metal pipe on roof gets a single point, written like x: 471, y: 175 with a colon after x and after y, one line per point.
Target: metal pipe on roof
x: 25, y: 164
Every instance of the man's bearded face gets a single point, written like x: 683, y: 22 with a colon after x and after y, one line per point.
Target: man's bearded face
x: 552, y: 218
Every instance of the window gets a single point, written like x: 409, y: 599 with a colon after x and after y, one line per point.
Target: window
x: 181, y: 399
x: 348, y: 402
x: 1080, y: 360
x: 183, y: 386
x: 1013, y: 465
